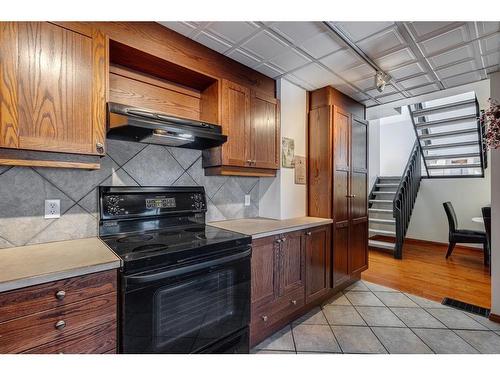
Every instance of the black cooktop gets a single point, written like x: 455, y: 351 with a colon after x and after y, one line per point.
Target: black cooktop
x: 169, y: 246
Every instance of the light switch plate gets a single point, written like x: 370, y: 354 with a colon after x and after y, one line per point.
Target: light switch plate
x: 247, y: 199
x: 52, y: 208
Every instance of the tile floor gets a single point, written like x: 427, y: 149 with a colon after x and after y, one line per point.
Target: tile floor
x: 368, y: 318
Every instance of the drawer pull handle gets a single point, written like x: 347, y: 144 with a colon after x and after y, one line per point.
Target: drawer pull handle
x: 60, y: 295
x: 264, y: 318
x: 60, y: 324
x: 294, y: 302
x: 283, y: 239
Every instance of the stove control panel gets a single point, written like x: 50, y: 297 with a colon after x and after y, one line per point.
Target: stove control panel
x: 129, y: 202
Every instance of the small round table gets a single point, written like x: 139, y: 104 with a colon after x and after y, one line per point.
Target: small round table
x: 478, y: 219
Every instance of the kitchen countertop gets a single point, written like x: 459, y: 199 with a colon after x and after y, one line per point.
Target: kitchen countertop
x: 262, y: 227
x: 37, y: 264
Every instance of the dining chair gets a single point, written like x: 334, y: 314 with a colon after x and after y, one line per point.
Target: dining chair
x: 456, y: 235
x: 486, y: 211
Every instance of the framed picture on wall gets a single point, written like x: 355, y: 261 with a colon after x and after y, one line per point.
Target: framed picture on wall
x: 288, y: 152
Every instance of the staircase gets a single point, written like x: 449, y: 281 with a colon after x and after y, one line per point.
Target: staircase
x: 391, y: 203
x: 450, y: 135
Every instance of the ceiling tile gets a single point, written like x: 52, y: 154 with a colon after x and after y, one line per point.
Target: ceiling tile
x: 390, y: 98
x: 406, y: 71
x: 458, y: 54
x: 359, y: 96
x: 184, y: 28
x: 462, y: 79
x: 422, y: 30
x: 320, y: 45
x: 395, y: 59
x: 244, y: 58
x: 445, y: 41
x: 491, y: 43
x: 378, y: 44
x: 365, y: 84
x: 297, y: 81
x: 375, y: 93
x: 265, y: 45
x: 234, y: 32
x: 212, y: 42
x: 341, y: 60
x: 370, y: 103
x: 360, y: 30
x: 359, y: 72
x: 316, y: 76
x: 269, y: 70
x: 486, y: 28
x: 456, y: 69
x: 424, y: 89
x: 290, y: 60
x: 348, y: 90
x: 416, y: 81
x: 492, y: 59
x: 298, y: 32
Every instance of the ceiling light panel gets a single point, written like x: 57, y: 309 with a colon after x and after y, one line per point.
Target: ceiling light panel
x: 360, y: 30
x: 233, y: 32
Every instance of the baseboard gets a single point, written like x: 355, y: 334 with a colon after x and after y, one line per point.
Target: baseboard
x: 415, y: 241
x: 494, y: 318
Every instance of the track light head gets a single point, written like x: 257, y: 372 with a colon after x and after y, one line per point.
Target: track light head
x: 381, y: 79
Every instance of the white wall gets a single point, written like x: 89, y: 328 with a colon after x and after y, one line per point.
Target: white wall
x: 280, y: 197
x: 495, y: 211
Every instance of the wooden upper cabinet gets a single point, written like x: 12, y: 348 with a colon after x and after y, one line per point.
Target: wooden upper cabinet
x: 236, y: 123
x: 265, y: 132
x: 53, y: 88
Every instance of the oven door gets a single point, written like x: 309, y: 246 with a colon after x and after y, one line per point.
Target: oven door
x: 186, y: 309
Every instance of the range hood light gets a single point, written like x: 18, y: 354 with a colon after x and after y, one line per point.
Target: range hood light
x: 186, y: 135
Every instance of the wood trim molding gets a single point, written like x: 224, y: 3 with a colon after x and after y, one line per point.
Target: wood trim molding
x: 494, y: 318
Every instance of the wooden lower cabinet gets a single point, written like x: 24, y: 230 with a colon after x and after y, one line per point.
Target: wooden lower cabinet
x: 76, y: 315
x: 289, y: 271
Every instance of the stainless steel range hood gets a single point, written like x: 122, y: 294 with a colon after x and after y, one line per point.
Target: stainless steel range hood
x: 142, y: 125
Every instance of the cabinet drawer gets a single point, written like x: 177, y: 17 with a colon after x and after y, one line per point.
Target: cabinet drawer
x: 21, y: 302
x: 97, y: 340
x: 283, y: 307
x: 18, y: 335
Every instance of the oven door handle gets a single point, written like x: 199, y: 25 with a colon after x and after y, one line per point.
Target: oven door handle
x: 183, y: 270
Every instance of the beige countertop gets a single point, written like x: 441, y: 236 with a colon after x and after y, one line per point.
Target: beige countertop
x: 37, y: 264
x: 262, y: 227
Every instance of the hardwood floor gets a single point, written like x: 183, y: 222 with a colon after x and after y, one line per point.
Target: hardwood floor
x: 425, y: 272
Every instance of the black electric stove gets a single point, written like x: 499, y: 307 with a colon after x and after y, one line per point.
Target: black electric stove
x: 185, y: 285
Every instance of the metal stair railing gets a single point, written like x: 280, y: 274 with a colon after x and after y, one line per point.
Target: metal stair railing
x: 406, y: 195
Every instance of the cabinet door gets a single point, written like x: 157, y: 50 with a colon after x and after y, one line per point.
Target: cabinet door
x: 236, y: 124
x: 292, y: 256
x: 53, y: 88
x: 341, y: 165
x: 265, y: 259
x: 318, y: 250
x: 358, y: 254
x: 264, y: 132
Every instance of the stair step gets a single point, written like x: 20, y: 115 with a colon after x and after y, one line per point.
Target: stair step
x: 384, y: 192
x: 386, y: 185
x: 453, y: 133
x: 382, y: 244
x: 451, y: 145
x: 444, y: 107
x: 381, y: 210
x: 389, y: 177
x: 453, y: 156
x: 382, y: 221
x: 447, y: 121
x: 380, y: 201
x: 381, y: 231
x: 454, y: 166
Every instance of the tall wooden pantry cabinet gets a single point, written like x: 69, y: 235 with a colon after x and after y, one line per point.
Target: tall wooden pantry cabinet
x: 338, y: 177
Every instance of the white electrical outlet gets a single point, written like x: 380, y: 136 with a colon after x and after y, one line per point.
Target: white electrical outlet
x: 52, y: 208
x: 247, y: 199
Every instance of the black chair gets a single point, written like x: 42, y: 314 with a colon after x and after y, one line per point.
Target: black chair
x: 456, y: 235
x: 487, y: 226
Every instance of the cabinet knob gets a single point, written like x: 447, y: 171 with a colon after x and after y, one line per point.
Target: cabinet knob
x: 264, y: 318
x: 279, y: 240
x: 283, y: 239
x: 60, y: 295
x: 294, y: 302
x: 308, y: 233
x: 60, y: 324
x: 99, y: 147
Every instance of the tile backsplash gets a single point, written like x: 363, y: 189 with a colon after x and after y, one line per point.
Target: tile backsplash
x: 23, y: 191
